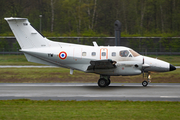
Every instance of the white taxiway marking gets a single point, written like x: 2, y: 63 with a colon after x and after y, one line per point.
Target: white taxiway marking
x: 169, y: 96
x: 93, y: 96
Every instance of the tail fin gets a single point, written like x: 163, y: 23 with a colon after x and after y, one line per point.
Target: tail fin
x: 25, y: 34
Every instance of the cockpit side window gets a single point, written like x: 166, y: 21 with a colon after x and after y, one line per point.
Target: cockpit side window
x: 135, y: 54
x: 124, y: 53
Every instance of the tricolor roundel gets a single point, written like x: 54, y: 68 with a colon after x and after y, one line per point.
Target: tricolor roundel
x: 62, y: 55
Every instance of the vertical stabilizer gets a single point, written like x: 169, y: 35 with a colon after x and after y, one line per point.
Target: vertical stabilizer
x: 25, y: 34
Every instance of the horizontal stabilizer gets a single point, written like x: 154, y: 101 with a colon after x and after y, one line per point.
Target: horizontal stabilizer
x: 11, y: 19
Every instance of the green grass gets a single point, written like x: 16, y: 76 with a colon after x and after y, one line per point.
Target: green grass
x: 15, y: 60
x: 60, y: 75
x: 88, y: 110
x: 43, y: 75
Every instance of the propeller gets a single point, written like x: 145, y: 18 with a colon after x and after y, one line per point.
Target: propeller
x: 142, y: 67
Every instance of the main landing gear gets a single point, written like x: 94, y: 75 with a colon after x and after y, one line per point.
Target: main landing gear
x: 104, y: 81
x: 145, y: 82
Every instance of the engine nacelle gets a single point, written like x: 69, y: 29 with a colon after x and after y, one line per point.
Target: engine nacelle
x: 129, y: 68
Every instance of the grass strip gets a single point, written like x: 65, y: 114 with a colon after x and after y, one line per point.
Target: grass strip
x: 60, y: 75
x: 97, y: 110
x: 15, y: 60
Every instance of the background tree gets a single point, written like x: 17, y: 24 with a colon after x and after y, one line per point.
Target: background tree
x: 141, y: 17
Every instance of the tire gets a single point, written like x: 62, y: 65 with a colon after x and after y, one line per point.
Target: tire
x: 144, y: 83
x: 102, y: 82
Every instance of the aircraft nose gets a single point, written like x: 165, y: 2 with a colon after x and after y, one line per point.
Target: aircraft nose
x: 171, y: 67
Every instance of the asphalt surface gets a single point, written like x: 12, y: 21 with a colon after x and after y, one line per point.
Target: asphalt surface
x: 90, y: 91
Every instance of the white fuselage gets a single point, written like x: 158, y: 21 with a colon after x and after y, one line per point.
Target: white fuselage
x: 79, y: 57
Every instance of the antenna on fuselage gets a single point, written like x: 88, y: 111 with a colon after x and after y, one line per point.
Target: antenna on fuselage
x: 117, y: 29
x: 95, y: 44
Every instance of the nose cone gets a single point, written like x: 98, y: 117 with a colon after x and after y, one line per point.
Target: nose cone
x: 171, y: 67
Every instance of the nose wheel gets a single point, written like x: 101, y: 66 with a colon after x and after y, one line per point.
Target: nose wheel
x: 145, y: 82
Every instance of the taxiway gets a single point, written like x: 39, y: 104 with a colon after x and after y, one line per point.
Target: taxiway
x: 90, y: 91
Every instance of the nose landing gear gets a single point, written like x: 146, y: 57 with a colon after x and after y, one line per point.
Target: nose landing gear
x: 145, y: 82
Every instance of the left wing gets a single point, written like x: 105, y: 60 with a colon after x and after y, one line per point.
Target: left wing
x: 102, y: 64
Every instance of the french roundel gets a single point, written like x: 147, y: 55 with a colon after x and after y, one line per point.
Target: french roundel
x: 62, y: 55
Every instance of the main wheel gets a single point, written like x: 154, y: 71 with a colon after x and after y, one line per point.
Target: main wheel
x: 144, y: 83
x: 102, y: 82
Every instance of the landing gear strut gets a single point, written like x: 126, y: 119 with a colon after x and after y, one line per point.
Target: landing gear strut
x: 104, y: 81
x: 145, y: 82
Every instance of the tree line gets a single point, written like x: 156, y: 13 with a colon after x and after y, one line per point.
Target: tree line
x: 91, y: 17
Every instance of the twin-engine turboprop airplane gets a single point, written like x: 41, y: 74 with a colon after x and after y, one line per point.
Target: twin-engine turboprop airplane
x: 103, y: 60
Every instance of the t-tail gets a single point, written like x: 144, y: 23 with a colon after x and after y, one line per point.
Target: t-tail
x: 30, y: 40
x: 25, y: 34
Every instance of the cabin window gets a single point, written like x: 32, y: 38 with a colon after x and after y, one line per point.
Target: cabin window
x: 93, y: 53
x: 135, y: 54
x: 83, y: 53
x: 103, y: 53
x: 124, y: 53
x: 113, y: 53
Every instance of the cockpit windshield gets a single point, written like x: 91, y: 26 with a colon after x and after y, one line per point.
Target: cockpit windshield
x: 135, y: 54
x: 130, y: 53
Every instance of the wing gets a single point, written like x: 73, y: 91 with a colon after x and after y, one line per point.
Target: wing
x: 102, y: 64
